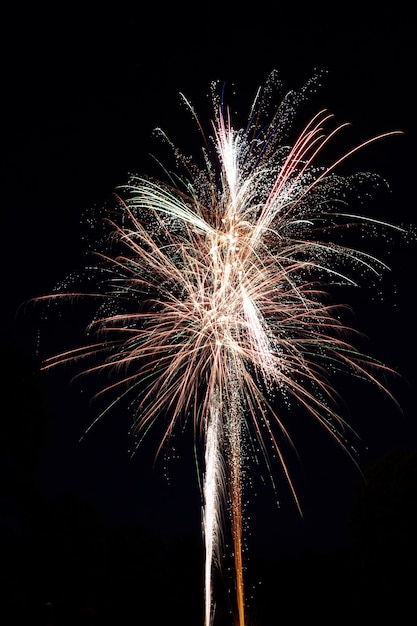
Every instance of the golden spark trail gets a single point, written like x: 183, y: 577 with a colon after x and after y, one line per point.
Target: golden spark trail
x: 235, y: 491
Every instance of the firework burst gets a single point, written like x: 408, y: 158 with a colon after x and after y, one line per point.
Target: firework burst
x: 212, y: 292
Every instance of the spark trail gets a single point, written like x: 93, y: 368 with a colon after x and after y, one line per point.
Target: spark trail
x: 212, y: 293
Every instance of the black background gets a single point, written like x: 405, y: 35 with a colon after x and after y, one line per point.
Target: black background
x: 83, y: 88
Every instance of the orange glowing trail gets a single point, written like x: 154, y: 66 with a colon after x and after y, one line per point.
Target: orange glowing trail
x: 213, y: 302
x: 235, y: 490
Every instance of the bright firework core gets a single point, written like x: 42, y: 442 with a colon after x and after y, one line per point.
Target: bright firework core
x: 212, y: 300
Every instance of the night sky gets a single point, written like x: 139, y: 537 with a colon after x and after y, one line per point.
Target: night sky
x: 82, y: 91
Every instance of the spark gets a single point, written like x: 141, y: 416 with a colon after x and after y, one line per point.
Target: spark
x: 213, y: 299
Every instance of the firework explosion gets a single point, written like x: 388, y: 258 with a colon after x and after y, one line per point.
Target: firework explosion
x: 213, y: 304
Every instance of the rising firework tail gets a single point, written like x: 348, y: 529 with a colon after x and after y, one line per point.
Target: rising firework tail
x: 212, y: 293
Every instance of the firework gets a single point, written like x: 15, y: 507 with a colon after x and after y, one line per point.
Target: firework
x: 212, y: 299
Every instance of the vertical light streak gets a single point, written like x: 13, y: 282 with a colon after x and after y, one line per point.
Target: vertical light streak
x: 214, y: 491
x: 235, y: 494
